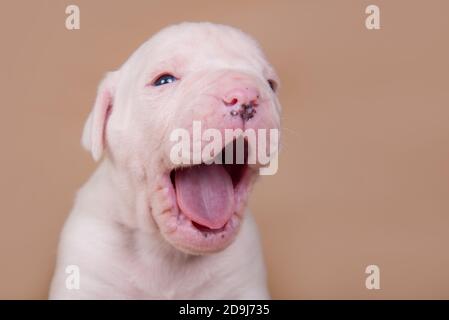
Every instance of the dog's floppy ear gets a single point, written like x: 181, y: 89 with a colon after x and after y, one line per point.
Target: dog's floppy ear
x: 94, y: 129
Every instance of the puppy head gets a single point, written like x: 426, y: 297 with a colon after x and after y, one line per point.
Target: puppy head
x: 212, y: 75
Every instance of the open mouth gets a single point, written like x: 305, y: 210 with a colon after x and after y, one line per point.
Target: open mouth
x: 210, y: 194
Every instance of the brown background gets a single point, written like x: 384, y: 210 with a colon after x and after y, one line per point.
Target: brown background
x: 364, y: 173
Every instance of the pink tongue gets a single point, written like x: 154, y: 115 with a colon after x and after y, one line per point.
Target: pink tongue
x: 205, y: 194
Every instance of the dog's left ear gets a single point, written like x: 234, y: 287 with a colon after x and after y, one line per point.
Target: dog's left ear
x: 93, y: 138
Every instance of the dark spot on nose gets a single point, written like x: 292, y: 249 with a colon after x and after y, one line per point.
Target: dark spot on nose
x: 246, y: 111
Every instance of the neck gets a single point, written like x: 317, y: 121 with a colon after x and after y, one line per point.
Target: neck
x: 118, y: 198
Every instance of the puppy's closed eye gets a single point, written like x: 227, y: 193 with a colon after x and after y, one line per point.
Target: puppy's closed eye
x: 165, y: 78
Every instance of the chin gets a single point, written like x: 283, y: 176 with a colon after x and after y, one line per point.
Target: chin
x: 204, y: 205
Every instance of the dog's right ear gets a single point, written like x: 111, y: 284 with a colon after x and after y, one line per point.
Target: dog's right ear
x: 93, y: 138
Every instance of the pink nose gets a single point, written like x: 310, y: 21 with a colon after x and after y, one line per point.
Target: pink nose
x: 241, y: 96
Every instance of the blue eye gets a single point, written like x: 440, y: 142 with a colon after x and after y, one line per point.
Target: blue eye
x: 164, y: 79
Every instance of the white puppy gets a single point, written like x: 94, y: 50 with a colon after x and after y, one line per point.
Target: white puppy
x: 142, y: 227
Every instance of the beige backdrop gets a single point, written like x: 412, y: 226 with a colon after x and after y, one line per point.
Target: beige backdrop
x: 364, y: 173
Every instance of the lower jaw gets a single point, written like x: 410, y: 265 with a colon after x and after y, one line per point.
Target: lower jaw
x: 187, y: 237
x: 183, y: 233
